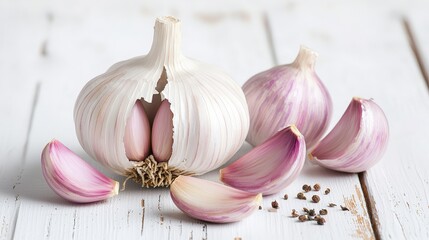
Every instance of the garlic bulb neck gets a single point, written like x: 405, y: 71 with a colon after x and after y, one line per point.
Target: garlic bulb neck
x: 306, y: 59
x: 167, y: 39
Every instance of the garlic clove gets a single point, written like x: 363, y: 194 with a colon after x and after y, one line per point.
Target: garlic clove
x: 72, y: 178
x: 212, y: 202
x: 288, y: 94
x: 358, y: 140
x: 269, y: 167
x: 137, y: 134
x: 162, y: 133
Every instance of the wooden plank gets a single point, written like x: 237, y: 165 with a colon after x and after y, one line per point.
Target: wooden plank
x: 43, y: 214
x: 15, y: 125
x: 79, y: 46
x: 370, y: 57
x: 89, y: 43
x: 19, y: 50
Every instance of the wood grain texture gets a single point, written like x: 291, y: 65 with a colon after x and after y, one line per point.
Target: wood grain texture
x: 370, y: 57
x: 19, y: 52
x: 363, y: 51
x: 80, y: 41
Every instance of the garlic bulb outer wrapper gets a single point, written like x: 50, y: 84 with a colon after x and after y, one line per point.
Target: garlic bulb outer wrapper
x: 211, y: 201
x: 288, y: 94
x: 269, y: 167
x: 162, y: 134
x: 137, y: 134
x: 72, y: 178
x: 358, y: 140
x: 210, y: 114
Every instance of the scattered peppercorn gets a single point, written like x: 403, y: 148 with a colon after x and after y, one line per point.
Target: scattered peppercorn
x: 294, y: 213
x: 332, y: 205
x: 306, y: 188
x: 260, y: 207
x: 327, y: 191
x: 311, y: 212
x: 305, y: 209
x: 285, y: 197
x: 315, y: 198
x: 303, y: 218
x: 323, y: 212
x: 344, y: 208
x: 321, y: 221
x: 316, y: 187
x: 317, y: 217
x: 301, y: 196
x: 275, y: 204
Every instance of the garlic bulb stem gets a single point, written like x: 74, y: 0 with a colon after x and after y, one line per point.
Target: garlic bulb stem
x: 167, y: 40
x: 306, y: 58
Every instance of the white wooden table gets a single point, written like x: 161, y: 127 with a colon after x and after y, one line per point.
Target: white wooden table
x: 380, y: 50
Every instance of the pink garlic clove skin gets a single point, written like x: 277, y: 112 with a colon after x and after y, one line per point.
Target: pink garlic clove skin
x: 212, y: 202
x: 162, y: 133
x: 269, y: 167
x: 137, y: 134
x: 358, y: 140
x: 72, y: 178
x: 288, y: 94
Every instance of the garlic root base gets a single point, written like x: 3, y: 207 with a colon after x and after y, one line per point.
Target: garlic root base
x: 150, y: 173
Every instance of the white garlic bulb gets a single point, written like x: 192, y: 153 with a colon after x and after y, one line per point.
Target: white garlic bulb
x: 210, y: 115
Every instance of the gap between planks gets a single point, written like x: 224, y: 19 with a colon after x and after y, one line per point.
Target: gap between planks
x: 416, y: 52
x: 269, y: 36
x: 370, y: 204
x: 24, y: 152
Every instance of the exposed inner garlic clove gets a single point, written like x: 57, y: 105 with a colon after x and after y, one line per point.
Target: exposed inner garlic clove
x: 288, y: 94
x: 358, y: 140
x: 137, y: 134
x: 209, y: 112
x: 162, y: 133
x: 269, y: 167
x: 212, y: 202
x: 72, y: 178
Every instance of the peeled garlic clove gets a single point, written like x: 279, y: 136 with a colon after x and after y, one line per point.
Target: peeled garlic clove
x: 212, y: 202
x: 137, y: 134
x: 269, y: 167
x: 288, y: 94
x: 162, y: 133
x: 72, y: 178
x: 357, y: 142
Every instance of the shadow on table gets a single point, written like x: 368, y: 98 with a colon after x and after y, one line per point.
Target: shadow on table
x: 318, y: 172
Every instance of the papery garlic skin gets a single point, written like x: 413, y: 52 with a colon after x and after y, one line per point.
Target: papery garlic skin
x: 72, y: 178
x: 137, y: 134
x: 269, y: 167
x: 358, y: 140
x: 212, y: 202
x: 288, y: 94
x: 210, y: 115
